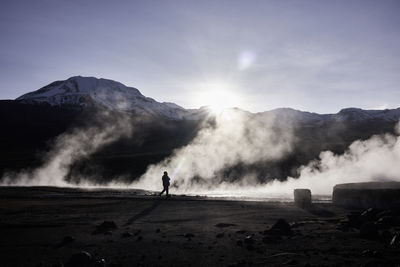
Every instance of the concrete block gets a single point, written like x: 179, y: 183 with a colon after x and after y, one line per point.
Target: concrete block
x: 302, y: 197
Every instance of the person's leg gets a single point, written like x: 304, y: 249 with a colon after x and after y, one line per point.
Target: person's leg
x: 162, y: 191
x: 166, y: 189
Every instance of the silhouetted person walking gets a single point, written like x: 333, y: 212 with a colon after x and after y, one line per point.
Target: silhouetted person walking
x: 165, y: 182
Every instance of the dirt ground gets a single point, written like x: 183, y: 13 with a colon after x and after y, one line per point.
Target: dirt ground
x: 45, y: 226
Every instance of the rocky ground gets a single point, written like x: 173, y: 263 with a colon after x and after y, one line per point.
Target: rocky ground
x: 54, y: 227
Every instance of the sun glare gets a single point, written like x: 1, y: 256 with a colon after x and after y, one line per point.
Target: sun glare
x: 217, y: 97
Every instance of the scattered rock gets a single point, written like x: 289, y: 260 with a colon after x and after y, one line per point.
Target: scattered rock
x: 369, y: 215
x: 376, y: 254
x: 371, y: 253
x: 384, y: 213
x: 105, y: 227
x: 239, y: 243
x: 395, y: 242
x: 386, y: 221
x: 369, y: 230
x: 80, y: 259
x: 248, y: 239
x: 241, y: 232
x: 281, y: 227
x: 220, y: 235
x: 137, y: 232
x: 367, y: 253
x: 99, y: 263
x: 386, y: 237
x: 158, y: 230
x: 223, y: 225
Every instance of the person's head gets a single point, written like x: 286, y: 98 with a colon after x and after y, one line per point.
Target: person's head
x: 165, y: 173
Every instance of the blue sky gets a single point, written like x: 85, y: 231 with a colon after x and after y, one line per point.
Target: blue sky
x: 318, y: 56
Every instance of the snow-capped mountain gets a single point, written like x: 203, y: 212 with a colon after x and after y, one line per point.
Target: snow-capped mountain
x: 80, y: 91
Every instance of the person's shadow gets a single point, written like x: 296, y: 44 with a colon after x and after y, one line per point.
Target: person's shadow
x: 144, y: 212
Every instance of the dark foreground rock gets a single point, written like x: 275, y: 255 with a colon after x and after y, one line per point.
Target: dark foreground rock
x: 80, y: 259
x: 280, y: 227
x: 369, y: 230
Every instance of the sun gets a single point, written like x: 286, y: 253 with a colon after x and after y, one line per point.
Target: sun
x: 217, y: 97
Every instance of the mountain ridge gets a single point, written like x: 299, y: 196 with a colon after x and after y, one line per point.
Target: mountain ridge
x: 83, y: 91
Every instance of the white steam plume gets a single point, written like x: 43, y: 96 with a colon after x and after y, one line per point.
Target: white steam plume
x: 229, y: 143
x: 235, y: 138
x: 375, y: 159
x: 70, y: 148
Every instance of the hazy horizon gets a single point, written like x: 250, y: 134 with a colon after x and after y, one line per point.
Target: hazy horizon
x: 283, y: 107
x: 258, y: 55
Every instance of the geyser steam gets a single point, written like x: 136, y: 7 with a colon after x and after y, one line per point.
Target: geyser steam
x: 233, y: 138
x: 375, y: 159
x: 105, y: 127
x: 236, y: 137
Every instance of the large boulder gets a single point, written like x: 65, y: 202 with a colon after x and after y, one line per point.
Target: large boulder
x: 380, y: 195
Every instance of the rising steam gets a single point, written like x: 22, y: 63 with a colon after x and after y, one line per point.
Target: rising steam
x: 71, y: 147
x: 234, y: 137
x: 375, y: 159
x: 239, y: 139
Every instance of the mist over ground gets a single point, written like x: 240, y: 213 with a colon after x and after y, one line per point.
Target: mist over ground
x: 70, y: 147
x: 231, y: 154
x: 238, y: 139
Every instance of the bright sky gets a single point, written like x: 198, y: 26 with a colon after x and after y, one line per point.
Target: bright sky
x: 318, y: 56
